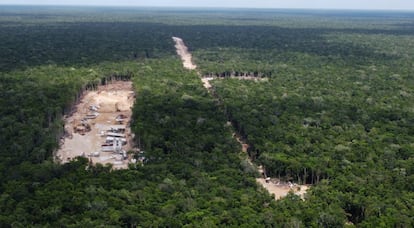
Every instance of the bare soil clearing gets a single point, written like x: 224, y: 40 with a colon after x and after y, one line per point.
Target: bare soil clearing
x: 281, y: 190
x: 182, y: 51
x: 206, y: 82
x: 273, y: 186
x: 97, y: 116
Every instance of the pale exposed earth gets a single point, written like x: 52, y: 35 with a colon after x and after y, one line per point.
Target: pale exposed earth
x: 279, y: 190
x: 112, y: 99
x: 182, y: 51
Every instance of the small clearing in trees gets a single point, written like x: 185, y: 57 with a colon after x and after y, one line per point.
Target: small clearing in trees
x: 281, y: 190
x: 273, y: 186
x: 102, y: 119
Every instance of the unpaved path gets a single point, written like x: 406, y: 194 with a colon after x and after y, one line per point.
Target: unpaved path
x: 279, y: 190
x: 206, y: 82
x: 182, y: 51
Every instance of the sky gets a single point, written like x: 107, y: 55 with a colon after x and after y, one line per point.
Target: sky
x: 318, y: 4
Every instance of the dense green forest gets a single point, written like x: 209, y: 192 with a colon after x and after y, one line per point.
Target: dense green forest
x: 336, y: 112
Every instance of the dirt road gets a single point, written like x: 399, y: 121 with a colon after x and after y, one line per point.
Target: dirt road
x: 187, y: 59
x: 182, y: 51
x: 279, y: 190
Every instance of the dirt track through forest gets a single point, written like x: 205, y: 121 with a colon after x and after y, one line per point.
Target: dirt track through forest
x: 182, y: 51
x: 273, y: 186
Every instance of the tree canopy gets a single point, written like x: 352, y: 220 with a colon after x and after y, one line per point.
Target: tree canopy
x: 336, y: 112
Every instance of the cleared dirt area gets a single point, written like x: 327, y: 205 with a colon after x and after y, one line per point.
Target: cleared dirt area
x: 281, y: 190
x: 206, y: 82
x: 99, y: 128
x: 273, y: 186
x: 182, y: 51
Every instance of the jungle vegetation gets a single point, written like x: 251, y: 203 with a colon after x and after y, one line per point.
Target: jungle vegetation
x: 336, y: 112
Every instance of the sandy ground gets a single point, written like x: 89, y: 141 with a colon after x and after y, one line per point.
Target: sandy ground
x: 186, y: 57
x: 113, y: 99
x: 206, y: 82
x: 273, y: 187
x: 182, y: 51
x: 281, y: 190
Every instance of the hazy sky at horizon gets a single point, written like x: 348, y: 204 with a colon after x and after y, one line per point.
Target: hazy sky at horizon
x: 319, y: 4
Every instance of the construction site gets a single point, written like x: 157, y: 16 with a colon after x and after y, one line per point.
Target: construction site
x: 99, y: 127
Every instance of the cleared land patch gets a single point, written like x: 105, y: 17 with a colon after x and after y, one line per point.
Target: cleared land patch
x: 280, y: 190
x: 277, y: 188
x: 100, y: 126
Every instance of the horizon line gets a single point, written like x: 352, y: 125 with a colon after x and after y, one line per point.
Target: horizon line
x: 208, y: 7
